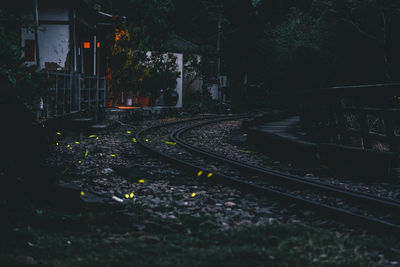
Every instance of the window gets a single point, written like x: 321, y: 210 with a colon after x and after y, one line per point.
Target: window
x: 30, y: 50
x: 86, y: 44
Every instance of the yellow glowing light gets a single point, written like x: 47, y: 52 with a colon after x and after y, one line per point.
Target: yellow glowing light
x: 128, y: 132
x: 86, y: 153
x: 131, y: 195
x: 200, y: 173
x: 134, y: 140
x: 80, y: 161
x: 193, y: 194
x: 147, y: 140
x: 43, y: 125
x: 112, y: 155
x: 170, y: 143
x: 92, y: 136
x: 141, y: 181
x: 76, y: 142
x: 86, y: 44
x: 126, y: 195
x: 82, y: 193
x: 68, y: 146
x: 58, y: 133
x: 209, y: 175
x: 97, y: 138
x: 57, y: 144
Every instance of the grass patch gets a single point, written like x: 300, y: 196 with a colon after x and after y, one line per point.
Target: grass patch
x: 57, y: 238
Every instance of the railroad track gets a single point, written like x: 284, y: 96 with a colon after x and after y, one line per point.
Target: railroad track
x: 353, y: 207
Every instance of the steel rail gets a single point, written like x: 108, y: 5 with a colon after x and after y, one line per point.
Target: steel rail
x: 389, y: 204
x: 337, y: 213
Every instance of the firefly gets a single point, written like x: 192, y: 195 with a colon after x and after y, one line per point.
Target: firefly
x: 80, y: 161
x: 131, y: 195
x: 200, y: 173
x: 126, y: 195
x: 112, y: 155
x: 97, y: 138
x: 134, y: 140
x: 57, y: 144
x: 128, y: 132
x: 170, y: 143
x: 58, y: 133
x: 86, y: 153
x: 82, y: 193
x: 193, y: 194
x: 141, y: 181
x: 68, y: 146
x: 92, y: 136
x: 76, y: 142
x: 209, y: 175
x: 147, y: 140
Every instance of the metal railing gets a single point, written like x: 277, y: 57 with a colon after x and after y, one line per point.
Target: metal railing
x: 369, y: 114
x: 71, y: 93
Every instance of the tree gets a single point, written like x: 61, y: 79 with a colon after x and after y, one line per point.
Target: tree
x: 26, y: 83
x: 148, y: 21
x: 137, y: 72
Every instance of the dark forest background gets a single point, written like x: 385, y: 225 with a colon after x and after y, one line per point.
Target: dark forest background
x: 267, y: 46
x: 279, y: 45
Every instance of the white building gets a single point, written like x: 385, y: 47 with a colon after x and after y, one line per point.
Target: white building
x: 69, y: 46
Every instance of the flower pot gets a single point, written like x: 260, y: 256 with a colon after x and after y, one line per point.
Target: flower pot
x: 171, y: 98
x: 142, y: 101
x: 129, y: 101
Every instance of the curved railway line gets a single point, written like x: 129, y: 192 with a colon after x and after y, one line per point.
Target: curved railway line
x: 356, y: 208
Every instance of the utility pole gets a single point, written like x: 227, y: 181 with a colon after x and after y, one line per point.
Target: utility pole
x: 36, y: 18
x: 40, y: 112
x: 219, y: 55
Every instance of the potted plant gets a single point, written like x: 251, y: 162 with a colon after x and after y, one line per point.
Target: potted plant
x: 159, y: 76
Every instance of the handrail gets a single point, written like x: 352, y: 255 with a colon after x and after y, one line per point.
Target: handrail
x: 72, y: 92
x: 325, y: 112
x: 352, y: 88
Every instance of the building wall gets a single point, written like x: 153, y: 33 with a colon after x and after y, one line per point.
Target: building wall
x: 56, y: 14
x: 53, y: 39
x: 179, y: 81
x: 191, y: 82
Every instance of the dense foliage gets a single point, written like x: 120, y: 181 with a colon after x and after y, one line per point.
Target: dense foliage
x: 140, y: 73
x: 26, y: 82
x: 277, y: 46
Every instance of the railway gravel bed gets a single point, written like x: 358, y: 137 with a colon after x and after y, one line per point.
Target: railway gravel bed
x: 166, y: 191
x: 228, y: 140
